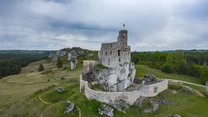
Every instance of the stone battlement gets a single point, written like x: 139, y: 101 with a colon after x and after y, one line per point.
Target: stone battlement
x: 123, y: 31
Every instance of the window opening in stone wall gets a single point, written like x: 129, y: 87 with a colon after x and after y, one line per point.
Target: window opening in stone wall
x: 106, y: 53
x: 110, y: 52
x: 155, y: 89
x: 119, y: 59
x: 119, y: 53
x: 109, y: 61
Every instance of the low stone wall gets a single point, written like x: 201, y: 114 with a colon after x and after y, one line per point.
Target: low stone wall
x: 153, y: 89
x: 129, y: 97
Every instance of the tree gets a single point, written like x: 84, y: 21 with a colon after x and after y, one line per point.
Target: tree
x: 167, y: 69
x: 41, y: 68
x: 59, y: 63
x: 204, y: 77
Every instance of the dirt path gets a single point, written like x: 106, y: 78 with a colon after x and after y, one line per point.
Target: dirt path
x: 47, y: 102
x: 44, y: 94
x: 79, y: 111
x: 187, y: 83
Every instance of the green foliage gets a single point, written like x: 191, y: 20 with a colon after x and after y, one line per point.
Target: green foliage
x: 198, y: 69
x: 146, y: 104
x: 13, y: 64
x: 59, y: 63
x: 41, y: 68
x: 97, y: 87
x: 47, y: 71
x: 174, y: 87
x: 182, y: 62
x: 167, y: 68
x: 101, y: 66
x: 55, y: 96
x: 204, y: 76
x: 149, y: 63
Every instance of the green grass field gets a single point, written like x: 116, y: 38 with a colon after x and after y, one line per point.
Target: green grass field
x: 143, y: 69
x: 19, y: 95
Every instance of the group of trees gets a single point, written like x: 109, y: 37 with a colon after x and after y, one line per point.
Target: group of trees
x: 192, y: 63
x: 11, y: 63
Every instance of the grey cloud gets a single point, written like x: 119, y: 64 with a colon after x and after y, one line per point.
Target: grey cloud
x: 55, y: 24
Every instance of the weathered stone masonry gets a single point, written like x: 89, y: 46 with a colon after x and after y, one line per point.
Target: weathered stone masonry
x: 130, y: 97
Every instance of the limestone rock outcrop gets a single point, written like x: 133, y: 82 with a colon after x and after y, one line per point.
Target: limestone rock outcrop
x: 106, y: 110
x: 114, y: 79
x: 150, y: 79
x: 69, y: 106
x: 73, y: 63
x: 72, y: 55
x: 60, y: 89
x: 120, y: 105
x: 54, y: 55
x: 176, y: 115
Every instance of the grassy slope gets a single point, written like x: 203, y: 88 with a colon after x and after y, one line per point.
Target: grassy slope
x: 143, y: 69
x: 18, y: 98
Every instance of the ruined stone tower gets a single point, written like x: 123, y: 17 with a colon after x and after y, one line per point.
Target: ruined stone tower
x: 115, y: 53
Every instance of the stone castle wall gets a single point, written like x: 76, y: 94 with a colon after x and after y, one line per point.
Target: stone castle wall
x: 129, y: 97
x: 115, y: 53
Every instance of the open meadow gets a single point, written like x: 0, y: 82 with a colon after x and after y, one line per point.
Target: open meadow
x: 20, y: 94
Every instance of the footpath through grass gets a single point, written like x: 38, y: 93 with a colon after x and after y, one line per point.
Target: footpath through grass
x: 143, y: 69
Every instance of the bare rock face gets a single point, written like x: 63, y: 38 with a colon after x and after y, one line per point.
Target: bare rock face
x: 73, y: 63
x: 194, y: 92
x: 150, y: 105
x: 120, y: 105
x: 176, y: 115
x: 115, y: 79
x: 106, y: 110
x: 55, y: 55
x: 207, y: 86
x: 69, y: 106
x: 72, y: 55
x: 60, y: 89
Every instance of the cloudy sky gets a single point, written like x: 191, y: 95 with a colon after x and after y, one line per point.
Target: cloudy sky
x: 55, y: 24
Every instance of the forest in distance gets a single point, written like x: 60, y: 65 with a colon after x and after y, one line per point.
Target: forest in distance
x: 187, y: 62
x: 11, y: 61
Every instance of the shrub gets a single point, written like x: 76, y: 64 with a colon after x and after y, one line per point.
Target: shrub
x: 204, y: 76
x: 101, y: 66
x: 174, y: 87
x: 59, y: 63
x: 47, y: 71
x: 41, y: 68
x: 167, y: 69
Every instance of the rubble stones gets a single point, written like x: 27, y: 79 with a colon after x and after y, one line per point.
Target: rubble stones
x: 174, y: 91
x: 60, y: 89
x: 150, y: 79
x: 69, y: 106
x: 195, y: 92
x: 106, y: 110
x: 120, y: 105
x: 153, y: 104
x: 174, y: 82
x: 176, y: 115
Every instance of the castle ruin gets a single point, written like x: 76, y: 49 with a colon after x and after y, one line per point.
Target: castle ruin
x: 116, y: 53
x: 114, y: 73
